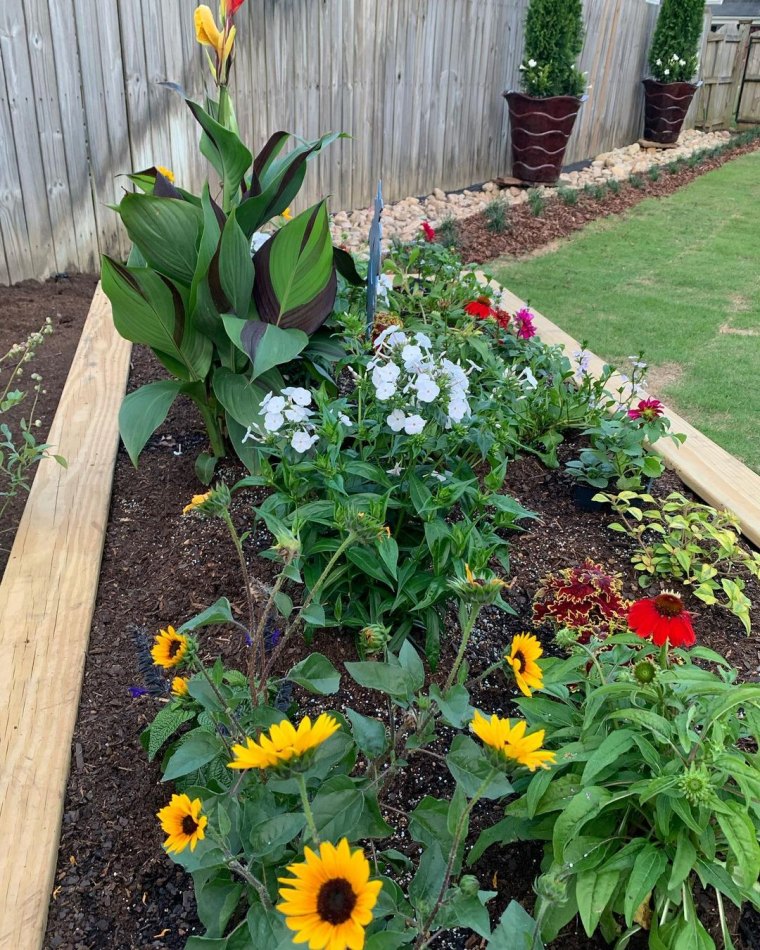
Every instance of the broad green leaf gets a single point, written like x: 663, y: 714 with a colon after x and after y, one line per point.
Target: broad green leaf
x: 224, y: 150
x: 273, y: 831
x: 268, y: 345
x: 166, y: 231
x: 517, y: 930
x: 611, y: 749
x: 472, y: 770
x: 593, y: 891
x: 235, y: 267
x: 337, y: 808
x: 393, y: 680
x: 218, y: 613
x: 267, y: 930
x: 143, y: 411
x: 656, y: 724
x: 411, y: 662
x: 168, y: 720
x: 369, y: 733
x: 316, y: 674
x: 741, y: 836
x: 650, y: 862
x: 426, y: 883
x: 148, y: 308
x: 684, y: 860
x: 216, y: 897
x: 295, y: 282
x: 582, y: 808
x: 197, y: 750
x: 454, y: 705
x: 240, y: 398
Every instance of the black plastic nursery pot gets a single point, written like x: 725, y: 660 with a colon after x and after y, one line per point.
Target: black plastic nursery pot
x: 665, y: 108
x: 583, y: 495
x: 540, y: 131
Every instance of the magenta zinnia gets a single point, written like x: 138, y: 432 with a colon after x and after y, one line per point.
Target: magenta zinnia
x: 524, y: 324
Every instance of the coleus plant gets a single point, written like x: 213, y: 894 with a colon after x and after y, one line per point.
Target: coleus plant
x: 218, y: 320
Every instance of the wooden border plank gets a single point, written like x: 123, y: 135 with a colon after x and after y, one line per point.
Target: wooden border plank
x: 47, y: 598
x: 714, y: 474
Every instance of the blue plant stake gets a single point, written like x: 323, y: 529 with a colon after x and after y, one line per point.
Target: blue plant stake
x: 375, y: 248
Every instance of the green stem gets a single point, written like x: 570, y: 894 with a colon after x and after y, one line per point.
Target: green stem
x: 222, y: 702
x: 479, y: 679
x: 467, y: 628
x: 210, y: 420
x: 307, y: 808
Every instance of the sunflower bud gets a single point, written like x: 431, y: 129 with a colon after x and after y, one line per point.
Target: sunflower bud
x: 477, y: 590
x: 287, y: 545
x: 696, y: 786
x: 374, y: 637
x: 212, y: 504
x: 469, y: 885
x: 552, y: 887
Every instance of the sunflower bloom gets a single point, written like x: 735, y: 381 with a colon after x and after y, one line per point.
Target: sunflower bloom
x: 197, y: 502
x: 283, y: 743
x: 179, y: 686
x: 182, y: 821
x: 523, y: 654
x: 510, y: 742
x: 169, y: 648
x: 663, y: 618
x: 329, y: 900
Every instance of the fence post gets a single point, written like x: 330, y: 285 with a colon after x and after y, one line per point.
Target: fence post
x: 704, y: 92
x: 737, y: 75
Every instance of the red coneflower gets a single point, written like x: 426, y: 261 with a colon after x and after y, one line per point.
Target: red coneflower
x: 524, y: 324
x: 647, y: 409
x: 663, y: 618
x: 428, y: 232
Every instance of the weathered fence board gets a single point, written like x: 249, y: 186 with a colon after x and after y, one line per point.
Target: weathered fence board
x: 416, y: 83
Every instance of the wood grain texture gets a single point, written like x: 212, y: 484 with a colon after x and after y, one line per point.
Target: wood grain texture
x: 47, y: 597
x: 712, y: 473
x: 417, y: 84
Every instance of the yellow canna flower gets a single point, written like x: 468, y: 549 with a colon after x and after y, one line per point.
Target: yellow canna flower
x: 207, y: 33
x: 523, y: 654
x: 287, y: 214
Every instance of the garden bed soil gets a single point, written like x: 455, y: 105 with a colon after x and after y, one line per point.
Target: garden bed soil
x: 114, y: 886
x: 528, y: 234
x: 66, y: 300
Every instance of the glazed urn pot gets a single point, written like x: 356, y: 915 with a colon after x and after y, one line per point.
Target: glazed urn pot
x: 540, y: 131
x: 665, y: 108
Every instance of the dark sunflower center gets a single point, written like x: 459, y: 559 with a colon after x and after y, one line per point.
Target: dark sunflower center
x: 189, y: 825
x: 336, y: 901
x: 519, y: 660
x: 668, y: 605
x: 174, y: 647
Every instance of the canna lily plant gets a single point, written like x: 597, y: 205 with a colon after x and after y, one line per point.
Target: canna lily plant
x: 220, y: 320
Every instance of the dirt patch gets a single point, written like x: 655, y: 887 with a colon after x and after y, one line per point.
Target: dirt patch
x: 114, y: 886
x: 661, y: 378
x: 528, y: 234
x: 66, y: 300
x: 740, y: 303
x: 738, y: 331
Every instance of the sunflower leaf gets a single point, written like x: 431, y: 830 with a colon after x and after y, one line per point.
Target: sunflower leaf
x: 166, y: 723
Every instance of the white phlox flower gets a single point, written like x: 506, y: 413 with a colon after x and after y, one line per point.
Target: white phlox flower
x: 426, y: 387
x: 527, y: 379
x: 413, y: 358
x: 532, y: 63
x: 396, y: 420
x: 298, y: 395
x: 414, y: 424
x: 423, y: 340
x: 303, y: 440
x: 343, y: 418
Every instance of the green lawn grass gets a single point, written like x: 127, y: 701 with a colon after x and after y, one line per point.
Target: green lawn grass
x: 679, y: 278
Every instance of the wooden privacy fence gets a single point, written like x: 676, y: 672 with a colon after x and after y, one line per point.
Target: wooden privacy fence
x: 731, y: 77
x: 417, y: 84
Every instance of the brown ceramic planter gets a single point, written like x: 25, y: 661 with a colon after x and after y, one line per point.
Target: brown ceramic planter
x: 540, y: 130
x: 666, y: 105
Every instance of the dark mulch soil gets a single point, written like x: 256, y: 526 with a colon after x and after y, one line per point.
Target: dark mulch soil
x: 114, y: 886
x: 23, y: 308
x: 528, y: 233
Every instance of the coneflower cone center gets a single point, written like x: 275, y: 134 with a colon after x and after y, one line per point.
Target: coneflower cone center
x: 668, y: 605
x: 189, y: 825
x: 336, y: 901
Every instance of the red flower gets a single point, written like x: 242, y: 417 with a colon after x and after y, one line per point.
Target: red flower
x: 524, y: 324
x: 502, y: 318
x: 647, y: 409
x: 662, y: 618
x: 480, y: 308
x: 231, y: 7
x: 428, y: 232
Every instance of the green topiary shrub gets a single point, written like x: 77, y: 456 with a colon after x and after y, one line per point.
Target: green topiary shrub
x: 553, y: 41
x: 673, y: 56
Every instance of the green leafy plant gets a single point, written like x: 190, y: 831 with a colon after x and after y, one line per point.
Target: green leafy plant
x: 568, y: 196
x: 447, y: 232
x: 594, y: 191
x: 654, y: 173
x: 496, y: 214
x: 673, y: 55
x: 553, y: 42
x: 536, y: 201
x: 636, y: 181
x: 219, y: 320
x: 655, y: 789
x: 690, y: 542
x: 19, y: 451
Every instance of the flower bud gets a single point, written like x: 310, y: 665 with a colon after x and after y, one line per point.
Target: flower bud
x: 374, y: 637
x: 469, y: 885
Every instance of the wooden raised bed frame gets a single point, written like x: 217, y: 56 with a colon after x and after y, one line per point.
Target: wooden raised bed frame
x: 48, y: 592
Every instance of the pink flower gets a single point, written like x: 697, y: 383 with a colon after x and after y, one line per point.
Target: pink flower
x: 524, y: 324
x: 428, y: 232
x: 647, y: 409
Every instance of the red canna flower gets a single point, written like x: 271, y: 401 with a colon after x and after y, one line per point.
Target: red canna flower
x: 662, y: 618
x: 647, y: 409
x: 428, y: 232
x: 231, y: 7
x: 480, y: 308
x: 524, y: 324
